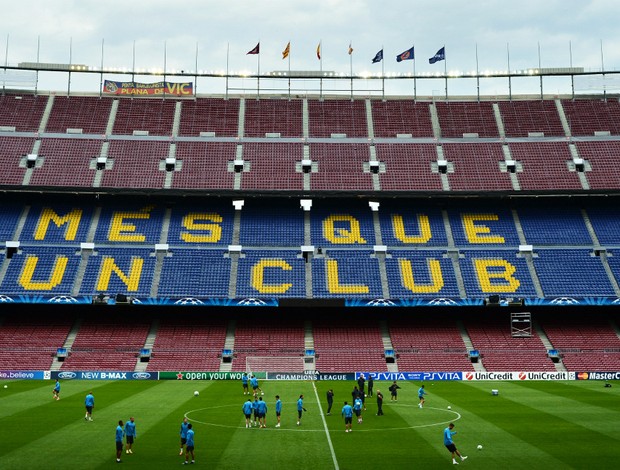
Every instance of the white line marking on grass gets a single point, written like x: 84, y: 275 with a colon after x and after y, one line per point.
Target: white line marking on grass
x: 299, y: 429
x: 329, y: 439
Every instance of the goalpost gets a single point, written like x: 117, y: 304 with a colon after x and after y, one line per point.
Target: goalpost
x: 275, y: 364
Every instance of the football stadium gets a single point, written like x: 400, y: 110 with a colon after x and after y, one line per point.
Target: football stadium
x: 158, y: 244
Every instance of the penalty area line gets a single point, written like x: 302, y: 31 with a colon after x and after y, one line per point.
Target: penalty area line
x: 329, y: 439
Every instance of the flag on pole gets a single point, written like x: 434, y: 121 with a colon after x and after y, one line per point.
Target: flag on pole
x: 287, y: 50
x: 256, y: 50
x: 439, y: 55
x: 378, y: 57
x: 318, y: 51
x: 407, y: 55
x: 350, y: 49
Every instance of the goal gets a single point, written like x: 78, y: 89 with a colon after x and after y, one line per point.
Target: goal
x: 274, y: 364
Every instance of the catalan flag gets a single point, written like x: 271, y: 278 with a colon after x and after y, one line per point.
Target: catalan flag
x: 318, y: 51
x: 350, y: 49
x: 286, y: 51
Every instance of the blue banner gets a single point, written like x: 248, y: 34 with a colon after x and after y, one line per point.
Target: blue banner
x: 417, y: 376
x: 103, y: 375
x: 24, y: 374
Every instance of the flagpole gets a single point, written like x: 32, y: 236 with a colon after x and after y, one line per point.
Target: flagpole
x: 258, y: 72
x: 196, y: 73
x: 165, y: 65
x: 6, y: 61
x: 382, y: 75
x: 477, y: 74
x: 321, y: 69
x: 540, y: 75
x: 133, y: 61
x: 101, y: 70
x: 351, y: 68
x: 445, y: 70
x: 415, y: 91
x: 572, y: 77
x: 227, y: 62
x: 70, y: 61
x: 603, y: 70
x: 509, y: 73
x: 36, y: 85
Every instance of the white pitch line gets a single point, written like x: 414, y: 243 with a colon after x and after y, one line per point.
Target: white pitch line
x: 329, y: 439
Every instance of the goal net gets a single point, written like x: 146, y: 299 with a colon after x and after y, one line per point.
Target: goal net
x: 274, y: 364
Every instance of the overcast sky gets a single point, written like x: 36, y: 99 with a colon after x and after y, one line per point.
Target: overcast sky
x: 73, y: 30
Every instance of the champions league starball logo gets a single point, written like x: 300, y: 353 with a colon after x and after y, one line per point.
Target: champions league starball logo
x: 381, y: 303
x: 63, y: 299
x: 189, y: 301
x: 251, y: 301
x: 565, y: 301
x: 5, y: 299
x: 442, y: 301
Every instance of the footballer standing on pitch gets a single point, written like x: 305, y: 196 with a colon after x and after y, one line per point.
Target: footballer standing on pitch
x: 189, y: 448
x: 183, y: 433
x: 89, y: 403
x: 119, y: 441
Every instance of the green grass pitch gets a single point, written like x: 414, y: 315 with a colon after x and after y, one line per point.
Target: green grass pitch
x: 529, y: 425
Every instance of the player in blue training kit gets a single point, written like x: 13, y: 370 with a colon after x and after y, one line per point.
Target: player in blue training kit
x: 347, y: 412
x: 278, y: 410
x: 357, y: 409
x: 189, y: 449
x: 262, y: 412
x: 89, y: 402
x: 119, y: 441
x: 247, y: 412
x: 244, y: 382
x: 255, y: 387
x: 447, y: 440
x: 183, y: 433
x: 255, y: 409
x: 56, y: 391
x: 130, y: 434
x: 421, y: 393
x: 300, y: 409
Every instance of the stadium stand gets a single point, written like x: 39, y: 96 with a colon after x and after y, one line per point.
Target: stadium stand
x: 501, y: 351
x: 272, y: 166
x: 336, y: 117
x: 424, y: 344
x: 22, y: 112
x: 215, y: 116
x: 587, y: 117
x: 521, y: 118
x: 281, y: 117
x: 401, y: 117
x: 13, y: 153
x: 588, y: 343
x: 188, y: 343
x: 67, y: 162
x: 343, y: 345
x: 205, y: 165
x: 408, y: 167
x: 30, y: 343
x: 442, y: 234
x: 154, y: 116
x: 463, y: 119
x: 260, y: 337
x: 83, y: 115
x: 108, y: 346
